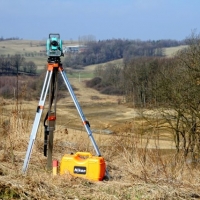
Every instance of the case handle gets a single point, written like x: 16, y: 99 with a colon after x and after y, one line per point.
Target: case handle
x: 83, y: 154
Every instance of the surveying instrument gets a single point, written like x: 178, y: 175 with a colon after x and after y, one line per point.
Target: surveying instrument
x: 54, y: 52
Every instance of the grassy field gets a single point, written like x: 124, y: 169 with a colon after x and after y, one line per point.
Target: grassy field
x: 140, y: 158
x: 171, y: 51
x: 140, y: 166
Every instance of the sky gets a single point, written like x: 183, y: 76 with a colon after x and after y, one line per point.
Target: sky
x: 102, y: 19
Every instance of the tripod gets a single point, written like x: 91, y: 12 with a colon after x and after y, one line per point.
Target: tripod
x: 50, y: 83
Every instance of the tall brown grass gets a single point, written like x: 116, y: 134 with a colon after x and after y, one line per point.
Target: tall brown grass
x: 136, y: 170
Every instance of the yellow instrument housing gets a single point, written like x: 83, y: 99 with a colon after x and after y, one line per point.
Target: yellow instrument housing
x: 83, y: 164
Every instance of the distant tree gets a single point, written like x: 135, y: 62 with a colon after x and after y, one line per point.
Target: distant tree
x: 30, y: 67
x: 17, y: 61
x: 99, y: 70
x: 12, y: 64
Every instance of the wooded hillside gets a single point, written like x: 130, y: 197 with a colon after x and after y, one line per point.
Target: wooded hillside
x: 108, y: 50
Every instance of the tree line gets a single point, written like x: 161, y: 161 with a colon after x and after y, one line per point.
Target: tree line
x: 10, y: 38
x: 107, y: 50
x: 13, y: 64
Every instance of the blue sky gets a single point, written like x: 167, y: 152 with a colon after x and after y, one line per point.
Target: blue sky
x: 103, y: 19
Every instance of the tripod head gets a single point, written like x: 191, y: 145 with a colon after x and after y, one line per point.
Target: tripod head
x: 54, y: 47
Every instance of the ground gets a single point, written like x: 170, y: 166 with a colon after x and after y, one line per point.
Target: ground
x: 141, y: 162
x: 135, y: 172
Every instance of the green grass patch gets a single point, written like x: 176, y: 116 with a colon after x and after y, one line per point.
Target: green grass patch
x: 8, y: 193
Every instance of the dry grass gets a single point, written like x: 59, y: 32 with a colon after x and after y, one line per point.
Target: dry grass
x: 91, y: 68
x: 136, y: 173
x: 171, y: 51
x: 141, y: 165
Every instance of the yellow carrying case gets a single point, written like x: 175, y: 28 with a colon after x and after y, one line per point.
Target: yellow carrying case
x: 83, y: 164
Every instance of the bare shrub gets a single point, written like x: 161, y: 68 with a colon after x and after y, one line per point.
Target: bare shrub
x: 93, y: 82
